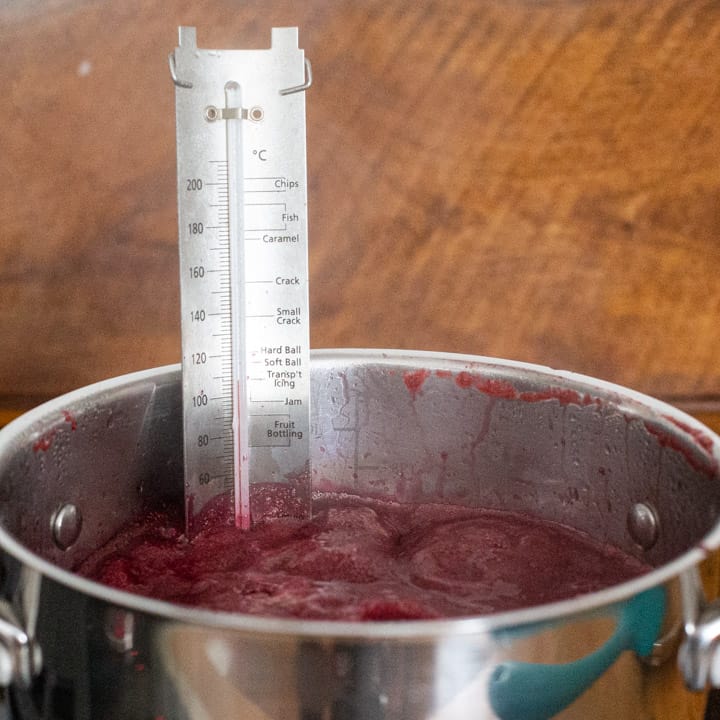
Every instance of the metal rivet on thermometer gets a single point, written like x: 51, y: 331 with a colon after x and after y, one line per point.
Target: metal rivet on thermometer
x: 242, y: 212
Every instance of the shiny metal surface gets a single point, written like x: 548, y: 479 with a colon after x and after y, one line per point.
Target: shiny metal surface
x: 643, y: 525
x: 699, y: 654
x: 415, y: 426
x: 242, y: 213
x: 66, y: 525
x: 20, y: 653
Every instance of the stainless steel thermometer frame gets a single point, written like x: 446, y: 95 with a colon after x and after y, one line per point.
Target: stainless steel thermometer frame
x: 242, y: 220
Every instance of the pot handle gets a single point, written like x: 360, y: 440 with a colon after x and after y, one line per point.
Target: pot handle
x: 20, y: 655
x: 536, y: 691
x: 698, y: 657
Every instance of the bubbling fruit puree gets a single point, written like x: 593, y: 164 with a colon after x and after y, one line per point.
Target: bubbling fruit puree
x: 360, y: 560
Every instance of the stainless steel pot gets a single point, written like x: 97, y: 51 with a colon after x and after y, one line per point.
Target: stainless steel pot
x: 627, y: 469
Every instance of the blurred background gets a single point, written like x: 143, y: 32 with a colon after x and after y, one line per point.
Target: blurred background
x: 533, y: 180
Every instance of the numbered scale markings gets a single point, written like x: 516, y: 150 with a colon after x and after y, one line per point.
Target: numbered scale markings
x: 242, y: 213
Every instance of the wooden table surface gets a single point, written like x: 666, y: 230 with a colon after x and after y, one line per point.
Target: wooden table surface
x: 530, y: 179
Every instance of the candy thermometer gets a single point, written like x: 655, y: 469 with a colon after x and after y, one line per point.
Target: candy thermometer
x: 242, y: 215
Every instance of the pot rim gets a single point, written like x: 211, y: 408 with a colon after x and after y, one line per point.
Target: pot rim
x: 387, y: 630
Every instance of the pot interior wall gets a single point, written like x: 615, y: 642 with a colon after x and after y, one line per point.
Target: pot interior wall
x: 424, y: 429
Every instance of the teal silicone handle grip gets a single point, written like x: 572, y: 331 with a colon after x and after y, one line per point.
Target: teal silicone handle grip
x: 533, y: 691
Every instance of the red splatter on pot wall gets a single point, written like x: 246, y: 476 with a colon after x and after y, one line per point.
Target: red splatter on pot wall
x: 666, y: 439
x: 70, y: 418
x: 415, y: 379
x: 43, y: 444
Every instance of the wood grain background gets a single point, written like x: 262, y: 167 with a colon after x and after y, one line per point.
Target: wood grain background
x: 535, y: 180
x: 531, y: 179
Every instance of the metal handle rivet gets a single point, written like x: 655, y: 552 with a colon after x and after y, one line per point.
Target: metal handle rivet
x: 643, y: 525
x: 66, y: 525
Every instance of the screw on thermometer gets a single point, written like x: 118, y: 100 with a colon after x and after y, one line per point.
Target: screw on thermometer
x: 242, y: 215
